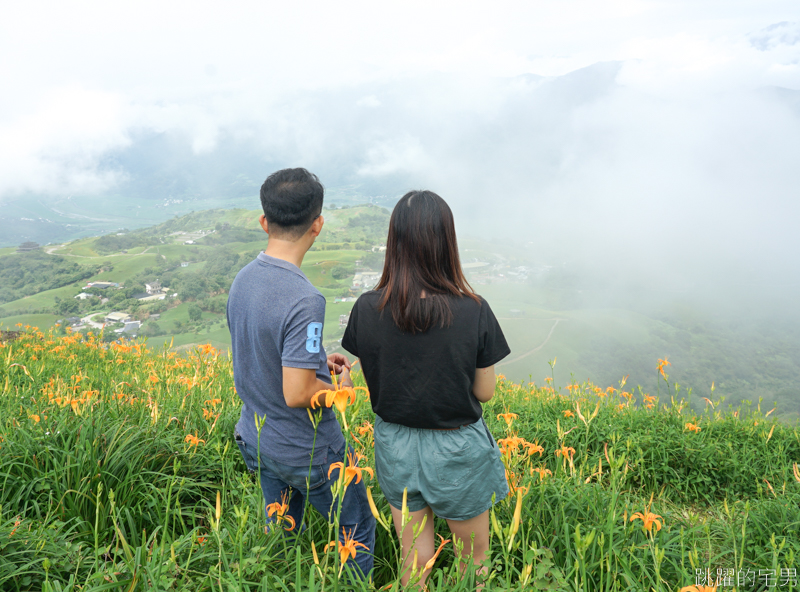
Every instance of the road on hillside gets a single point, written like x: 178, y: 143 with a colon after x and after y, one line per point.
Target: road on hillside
x: 535, y: 349
x: 51, y: 250
x: 87, y: 320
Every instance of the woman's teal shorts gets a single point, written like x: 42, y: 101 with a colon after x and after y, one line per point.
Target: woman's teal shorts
x: 455, y: 472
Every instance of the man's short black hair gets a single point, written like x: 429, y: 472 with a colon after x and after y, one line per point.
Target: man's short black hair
x: 292, y: 200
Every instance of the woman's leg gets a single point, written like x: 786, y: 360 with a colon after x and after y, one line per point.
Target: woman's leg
x: 474, y: 537
x: 423, y: 545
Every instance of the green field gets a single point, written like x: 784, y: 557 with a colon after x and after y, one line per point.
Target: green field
x: 120, y: 473
x: 42, y: 321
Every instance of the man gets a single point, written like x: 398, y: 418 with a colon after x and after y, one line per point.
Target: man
x: 276, y: 319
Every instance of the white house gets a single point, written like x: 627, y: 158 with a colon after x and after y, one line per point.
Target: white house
x: 117, y: 317
x: 153, y: 288
x: 365, y: 279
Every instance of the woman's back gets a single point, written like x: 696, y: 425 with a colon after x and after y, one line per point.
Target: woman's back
x: 424, y: 379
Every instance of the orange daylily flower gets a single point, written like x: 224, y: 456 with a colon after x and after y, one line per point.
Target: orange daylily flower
x: 533, y: 448
x: 193, y: 440
x: 341, y: 398
x: 432, y: 560
x: 352, y: 471
x: 366, y: 428
x: 566, y: 452
x: 207, y: 349
x: 17, y: 522
x: 512, y: 443
x: 568, y: 413
x: 348, y: 548
x: 280, y: 509
x: 699, y: 589
x: 692, y: 427
x: 542, y: 472
x: 338, y: 397
x: 660, y: 366
x: 649, y: 519
x: 508, y: 417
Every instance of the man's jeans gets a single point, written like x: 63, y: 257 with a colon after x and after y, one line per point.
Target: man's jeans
x: 278, y: 480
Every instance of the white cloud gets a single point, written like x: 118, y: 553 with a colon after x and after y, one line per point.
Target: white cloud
x: 370, y: 101
x: 56, y: 145
x: 404, y: 154
x: 85, y: 74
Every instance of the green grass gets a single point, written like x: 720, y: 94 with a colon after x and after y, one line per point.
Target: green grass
x: 179, y: 313
x: 219, y: 337
x: 126, y: 267
x: 44, y: 299
x: 79, y: 248
x: 43, y: 321
x: 100, y: 489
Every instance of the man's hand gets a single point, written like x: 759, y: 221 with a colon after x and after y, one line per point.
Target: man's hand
x: 344, y: 379
x: 338, y: 362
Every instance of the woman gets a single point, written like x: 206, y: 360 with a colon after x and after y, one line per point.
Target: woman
x: 428, y: 345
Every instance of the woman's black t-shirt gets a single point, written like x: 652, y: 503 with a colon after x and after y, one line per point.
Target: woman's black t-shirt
x: 424, y: 380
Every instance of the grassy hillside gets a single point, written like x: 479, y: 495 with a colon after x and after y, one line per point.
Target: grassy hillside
x: 548, y: 313
x: 119, y: 473
x: 196, y: 256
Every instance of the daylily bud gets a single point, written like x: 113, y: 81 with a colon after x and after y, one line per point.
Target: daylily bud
x: 373, y: 508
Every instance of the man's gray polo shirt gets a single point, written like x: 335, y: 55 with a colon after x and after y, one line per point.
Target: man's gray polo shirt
x: 276, y: 316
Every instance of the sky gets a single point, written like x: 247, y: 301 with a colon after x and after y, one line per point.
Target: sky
x: 619, y: 133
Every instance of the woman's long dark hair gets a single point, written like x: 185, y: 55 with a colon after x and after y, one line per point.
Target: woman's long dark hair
x: 422, y: 254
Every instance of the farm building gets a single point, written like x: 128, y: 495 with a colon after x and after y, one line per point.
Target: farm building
x: 117, y: 317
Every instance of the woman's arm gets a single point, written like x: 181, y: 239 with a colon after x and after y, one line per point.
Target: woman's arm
x: 485, y: 381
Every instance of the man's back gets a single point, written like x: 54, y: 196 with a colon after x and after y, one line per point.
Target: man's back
x: 275, y: 316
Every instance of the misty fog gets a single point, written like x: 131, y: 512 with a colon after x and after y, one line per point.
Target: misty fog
x: 646, y: 153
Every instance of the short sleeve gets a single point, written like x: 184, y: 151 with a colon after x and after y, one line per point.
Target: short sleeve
x: 302, y: 338
x: 492, y: 346
x: 349, y: 338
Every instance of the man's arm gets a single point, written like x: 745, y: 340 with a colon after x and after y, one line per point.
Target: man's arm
x: 300, y: 384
